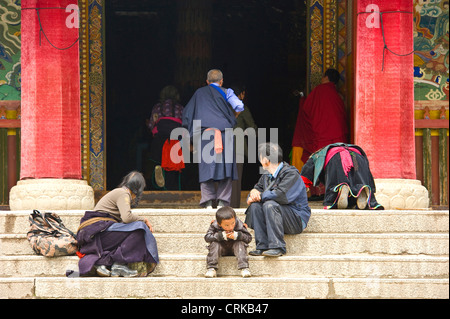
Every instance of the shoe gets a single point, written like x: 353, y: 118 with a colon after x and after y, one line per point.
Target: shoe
x: 143, y: 268
x: 211, y: 273
x: 159, y: 176
x: 257, y: 252
x: 273, y: 253
x: 208, y: 204
x: 118, y: 270
x: 245, y: 273
x: 102, y: 271
x: 361, y: 201
x: 343, y: 197
x: 221, y: 204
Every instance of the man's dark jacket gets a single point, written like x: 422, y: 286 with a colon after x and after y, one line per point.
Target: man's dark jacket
x: 288, y: 189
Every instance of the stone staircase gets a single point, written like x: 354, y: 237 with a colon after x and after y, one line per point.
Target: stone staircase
x: 342, y: 254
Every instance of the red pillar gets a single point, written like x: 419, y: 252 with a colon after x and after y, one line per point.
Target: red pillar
x: 50, y: 144
x: 384, y: 99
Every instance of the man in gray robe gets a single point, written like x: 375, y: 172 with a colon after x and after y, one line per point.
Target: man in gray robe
x: 214, y: 109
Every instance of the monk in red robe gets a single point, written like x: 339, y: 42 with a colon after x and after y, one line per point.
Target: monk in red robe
x: 322, y: 120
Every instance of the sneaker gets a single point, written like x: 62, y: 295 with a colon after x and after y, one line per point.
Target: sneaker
x: 102, y: 271
x: 273, y: 253
x: 343, y: 197
x: 361, y: 201
x: 211, y: 273
x: 221, y: 204
x: 245, y: 273
x: 118, y: 270
x: 208, y: 204
x: 257, y: 252
x: 159, y: 176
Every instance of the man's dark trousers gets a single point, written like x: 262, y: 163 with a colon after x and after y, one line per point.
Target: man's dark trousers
x: 271, y: 221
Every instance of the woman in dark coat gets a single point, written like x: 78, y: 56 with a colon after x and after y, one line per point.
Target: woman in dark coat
x: 166, y: 116
x: 344, y: 170
x: 112, y: 237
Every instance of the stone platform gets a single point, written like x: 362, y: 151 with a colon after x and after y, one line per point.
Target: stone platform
x: 342, y: 254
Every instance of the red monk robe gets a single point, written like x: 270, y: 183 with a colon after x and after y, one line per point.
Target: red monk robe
x: 321, y: 121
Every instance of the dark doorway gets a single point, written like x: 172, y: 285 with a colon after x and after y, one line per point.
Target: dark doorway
x: 261, y: 44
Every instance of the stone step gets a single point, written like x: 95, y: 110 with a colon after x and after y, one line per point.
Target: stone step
x: 172, y: 199
x: 194, y: 265
x: 229, y: 288
x: 322, y: 221
x: 303, y: 244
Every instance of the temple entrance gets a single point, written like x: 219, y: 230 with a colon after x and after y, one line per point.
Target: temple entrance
x: 261, y: 44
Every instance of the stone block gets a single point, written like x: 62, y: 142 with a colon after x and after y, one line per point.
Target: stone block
x: 51, y: 194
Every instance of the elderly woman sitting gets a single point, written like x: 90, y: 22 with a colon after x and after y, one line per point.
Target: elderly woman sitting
x: 112, y: 237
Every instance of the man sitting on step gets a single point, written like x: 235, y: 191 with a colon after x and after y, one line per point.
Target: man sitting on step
x: 278, y: 203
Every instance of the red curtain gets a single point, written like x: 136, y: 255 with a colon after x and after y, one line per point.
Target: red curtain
x: 51, y: 142
x: 384, y: 97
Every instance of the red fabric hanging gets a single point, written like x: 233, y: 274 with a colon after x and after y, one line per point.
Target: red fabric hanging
x: 384, y: 99
x: 51, y: 139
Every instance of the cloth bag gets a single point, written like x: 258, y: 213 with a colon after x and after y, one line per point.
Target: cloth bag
x: 49, y: 237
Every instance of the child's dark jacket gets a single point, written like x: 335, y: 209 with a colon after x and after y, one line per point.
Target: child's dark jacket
x: 215, y: 233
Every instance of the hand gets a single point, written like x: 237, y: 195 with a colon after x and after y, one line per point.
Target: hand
x: 230, y: 235
x: 148, y: 225
x: 255, y: 196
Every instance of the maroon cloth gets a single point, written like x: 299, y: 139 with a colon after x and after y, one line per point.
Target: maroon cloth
x: 321, y: 120
x: 98, y: 246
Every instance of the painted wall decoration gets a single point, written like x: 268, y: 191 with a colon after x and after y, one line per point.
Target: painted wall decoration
x: 328, y: 41
x: 10, y: 79
x: 431, y: 58
x: 93, y: 132
x: 315, y: 43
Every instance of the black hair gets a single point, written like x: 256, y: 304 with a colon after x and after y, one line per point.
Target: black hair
x: 224, y: 213
x: 169, y: 92
x: 271, y: 151
x: 238, y: 88
x: 333, y: 75
x: 135, y: 182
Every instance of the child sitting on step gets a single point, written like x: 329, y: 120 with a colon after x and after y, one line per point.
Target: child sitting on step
x: 227, y: 236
